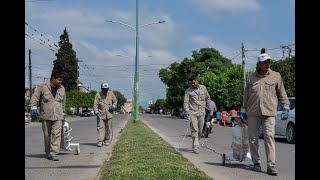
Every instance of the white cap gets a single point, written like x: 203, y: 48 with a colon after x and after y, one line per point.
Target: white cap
x: 264, y: 57
x: 104, y: 85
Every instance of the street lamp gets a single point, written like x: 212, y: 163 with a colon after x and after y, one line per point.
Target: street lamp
x: 136, y: 73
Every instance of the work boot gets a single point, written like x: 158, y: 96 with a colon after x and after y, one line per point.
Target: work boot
x: 196, y: 150
x: 53, y: 158
x: 257, y: 167
x: 106, y: 142
x: 99, y: 144
x: 272, y: 171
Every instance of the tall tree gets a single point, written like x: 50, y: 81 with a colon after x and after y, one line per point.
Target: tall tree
x: 67, y: 62
x: 176, y: 76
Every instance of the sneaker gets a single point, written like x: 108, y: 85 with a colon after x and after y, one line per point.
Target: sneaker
x: 272, y: 171
x: 106, y: 142
x: 196, y: 150
x: 99, y: 144
x: 257, y: 167
x: 53, y: 158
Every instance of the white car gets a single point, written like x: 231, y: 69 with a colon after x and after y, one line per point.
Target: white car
x: 286, y: 127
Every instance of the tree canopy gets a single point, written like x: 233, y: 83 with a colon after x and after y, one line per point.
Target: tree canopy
x: 67, y: 62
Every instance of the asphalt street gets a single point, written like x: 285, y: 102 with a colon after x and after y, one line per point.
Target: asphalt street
x: 176, y: 132
x: 70, y: 166
x: 173, y: 130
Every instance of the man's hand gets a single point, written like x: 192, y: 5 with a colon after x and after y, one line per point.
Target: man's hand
x: 285, y: 113
x: 33, y: 112
x: 111, y: 108
x: 188, y: 114
x: 98, y: 114
x: 243, y: 114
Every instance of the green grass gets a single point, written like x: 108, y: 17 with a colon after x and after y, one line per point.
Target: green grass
x: 141, y: 154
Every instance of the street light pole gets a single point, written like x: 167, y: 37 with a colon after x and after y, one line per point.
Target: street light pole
x: 136, y: 72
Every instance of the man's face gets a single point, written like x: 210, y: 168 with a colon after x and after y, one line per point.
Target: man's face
x: 104, y: 90
x: 57, y: 81
x: 195, y: 83
x: 265, y: 65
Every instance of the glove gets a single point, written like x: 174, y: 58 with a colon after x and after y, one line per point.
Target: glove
x: 33, y: 112
x: 285, y: 113
x: 243, y: 114
x: 98, y: 114
x: 188, y: 114
x: 111, y: 108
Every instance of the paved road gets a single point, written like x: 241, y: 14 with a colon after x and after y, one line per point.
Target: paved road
x: 84, y: 166
x: 173, y: 131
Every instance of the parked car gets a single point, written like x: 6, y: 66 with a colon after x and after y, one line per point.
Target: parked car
x: 27, y: 117
x: 86, y: 113
x: 91, y: 111
x: 286, y: 127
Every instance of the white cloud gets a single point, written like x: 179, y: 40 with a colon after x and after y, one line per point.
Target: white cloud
x: 232, y: 6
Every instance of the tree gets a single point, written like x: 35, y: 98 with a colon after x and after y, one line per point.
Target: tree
x: 177, y: 75
x: 67, y: 62
x: 287, y: 69
x: 121, y: 99
x: 227, y: 88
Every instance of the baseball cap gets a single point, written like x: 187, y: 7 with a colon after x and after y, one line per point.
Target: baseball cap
x: 264, y: 57
x: 104, y: 85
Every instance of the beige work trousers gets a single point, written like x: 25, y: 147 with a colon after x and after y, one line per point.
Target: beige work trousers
x: 104, y: 129
x: 268, y: 128
x: 52, y: 136
x: 196, y: 126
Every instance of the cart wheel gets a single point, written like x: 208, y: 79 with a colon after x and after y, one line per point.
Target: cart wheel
x: 223, y: 159
x: 207, y: 132
x: 78, y: 150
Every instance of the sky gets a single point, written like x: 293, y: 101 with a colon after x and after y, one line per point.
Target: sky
x: 106, y: 51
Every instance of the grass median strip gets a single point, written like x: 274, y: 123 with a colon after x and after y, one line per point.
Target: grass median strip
x: 142, y: 154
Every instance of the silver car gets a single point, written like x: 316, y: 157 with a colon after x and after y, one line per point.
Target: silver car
x: 285, y: 128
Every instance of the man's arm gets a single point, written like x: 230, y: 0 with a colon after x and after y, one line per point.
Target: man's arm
x: 282, y: 94
x: 114, y: 101
x: 186, y: 101
x: 95, y: 103
x: 35, y: 98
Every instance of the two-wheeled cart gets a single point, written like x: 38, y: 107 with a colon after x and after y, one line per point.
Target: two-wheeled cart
x: 66, y: 139
x: 240, y: 146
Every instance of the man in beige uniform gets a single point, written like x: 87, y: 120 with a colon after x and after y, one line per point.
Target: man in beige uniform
x: 263, y: 89
x: 52, y: 98
x: 104, y: 104
x: 196, y: 100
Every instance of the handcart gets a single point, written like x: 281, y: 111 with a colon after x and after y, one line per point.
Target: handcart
x: 66, y: 139
x: 240, y: 145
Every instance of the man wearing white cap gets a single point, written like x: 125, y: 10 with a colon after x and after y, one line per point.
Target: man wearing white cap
x: 104, y: 104
x: 263, y: 90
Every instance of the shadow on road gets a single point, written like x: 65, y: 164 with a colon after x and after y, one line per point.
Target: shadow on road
x: 36, y: 155
x: 66, y: 167
x: 89, y: 144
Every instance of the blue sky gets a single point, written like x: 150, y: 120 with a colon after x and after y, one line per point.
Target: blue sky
x: 189, y: 25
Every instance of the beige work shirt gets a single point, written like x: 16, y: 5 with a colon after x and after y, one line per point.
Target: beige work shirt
x: 196, y: 103
x: 103, y: 102
x: 51, y: 108
x: 262, y: 93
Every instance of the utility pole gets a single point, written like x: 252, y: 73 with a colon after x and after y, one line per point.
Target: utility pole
x: 243, y: 66
x: 30, y: 73
x: 136, y: 74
